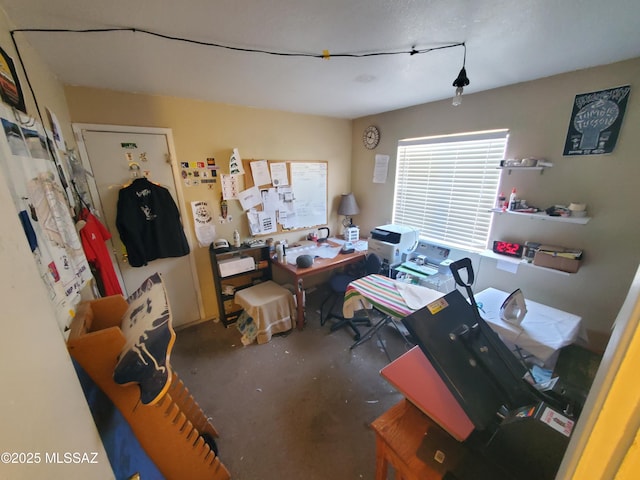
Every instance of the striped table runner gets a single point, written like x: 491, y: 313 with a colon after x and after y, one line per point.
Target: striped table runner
x: 376, y: 290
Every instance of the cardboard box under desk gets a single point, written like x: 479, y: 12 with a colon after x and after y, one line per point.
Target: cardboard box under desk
x: 555, y: 262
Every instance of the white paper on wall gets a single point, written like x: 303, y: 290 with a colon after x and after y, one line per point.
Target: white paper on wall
x: 381, y: 169
x: 229, y: 185
x: 279, y: 176
x: 250, y: 198
x: 203, y: 223
x: 260, y: 172
x: 235, y: 163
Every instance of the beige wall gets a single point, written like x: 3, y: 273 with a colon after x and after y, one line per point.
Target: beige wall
x: 204, y: 129
x: 43, y: 407
x: 537, y: 115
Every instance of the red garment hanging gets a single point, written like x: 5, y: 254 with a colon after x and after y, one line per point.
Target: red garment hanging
x: 93, y: 236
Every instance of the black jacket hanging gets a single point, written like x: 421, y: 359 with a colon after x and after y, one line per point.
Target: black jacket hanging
x: 148, y: 221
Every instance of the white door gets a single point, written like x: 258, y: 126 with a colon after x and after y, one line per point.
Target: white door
x: 116, y: 155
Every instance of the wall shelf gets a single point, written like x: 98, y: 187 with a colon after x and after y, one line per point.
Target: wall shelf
x: 544, y: 217
x: 539, y: 169
x: 520, y: 262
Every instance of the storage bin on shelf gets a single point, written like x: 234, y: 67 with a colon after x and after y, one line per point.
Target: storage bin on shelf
x: 558, y: 258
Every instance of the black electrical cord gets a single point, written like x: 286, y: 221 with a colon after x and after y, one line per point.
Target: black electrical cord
x: 324, y: 55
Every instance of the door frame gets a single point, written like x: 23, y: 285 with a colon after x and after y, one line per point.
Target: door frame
x: 84, y: 156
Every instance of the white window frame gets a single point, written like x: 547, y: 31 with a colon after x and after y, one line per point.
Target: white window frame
x: 446, y: 186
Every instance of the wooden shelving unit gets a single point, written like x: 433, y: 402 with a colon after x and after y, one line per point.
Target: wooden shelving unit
x: 228, y: 310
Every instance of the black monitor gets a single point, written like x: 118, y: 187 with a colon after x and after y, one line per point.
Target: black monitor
x: 478, y: 368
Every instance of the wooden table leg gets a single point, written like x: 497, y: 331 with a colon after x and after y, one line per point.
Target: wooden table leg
x: 382, y: 465
x: 300, y: 299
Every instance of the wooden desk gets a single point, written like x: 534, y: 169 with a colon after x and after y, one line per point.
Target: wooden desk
x: 399, y: 434
x: 319, y: 265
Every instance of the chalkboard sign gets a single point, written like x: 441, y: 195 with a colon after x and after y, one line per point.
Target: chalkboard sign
x: 293, y: 195
x: 595, y: 121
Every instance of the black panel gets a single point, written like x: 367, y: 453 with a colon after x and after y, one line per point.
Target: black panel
x: 479, y: 369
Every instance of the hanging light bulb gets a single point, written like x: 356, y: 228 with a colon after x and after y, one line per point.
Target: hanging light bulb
x: 457, y: 99
x: 460, y: 82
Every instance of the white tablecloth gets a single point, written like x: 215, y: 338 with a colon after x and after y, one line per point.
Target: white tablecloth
x: 543, y: 332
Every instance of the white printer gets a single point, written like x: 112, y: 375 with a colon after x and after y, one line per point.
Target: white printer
x: 391, y: 241
x: 428, y: 265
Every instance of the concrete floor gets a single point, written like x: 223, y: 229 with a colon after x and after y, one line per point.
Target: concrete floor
x: 298, y: 407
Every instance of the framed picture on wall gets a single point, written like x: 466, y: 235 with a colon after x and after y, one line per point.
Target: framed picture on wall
x: 10, y: 90
x: 595, y: 121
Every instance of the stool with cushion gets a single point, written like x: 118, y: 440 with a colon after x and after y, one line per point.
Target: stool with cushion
x: 338, y: 284
x: 271, y: 307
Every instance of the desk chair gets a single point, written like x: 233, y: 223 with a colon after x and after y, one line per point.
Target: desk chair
x: 338, y: 284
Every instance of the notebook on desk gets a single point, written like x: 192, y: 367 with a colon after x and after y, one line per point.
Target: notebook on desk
x: 413, y: 375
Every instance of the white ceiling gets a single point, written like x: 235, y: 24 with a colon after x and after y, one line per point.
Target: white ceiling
x: 508, y: 41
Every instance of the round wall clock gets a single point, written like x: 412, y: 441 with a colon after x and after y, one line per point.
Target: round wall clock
x: 371, y: 137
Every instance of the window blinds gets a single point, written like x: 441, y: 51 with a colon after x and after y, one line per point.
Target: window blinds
x: 446, y: 186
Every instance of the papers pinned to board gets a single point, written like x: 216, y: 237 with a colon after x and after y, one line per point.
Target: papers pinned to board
x: 261, y: 223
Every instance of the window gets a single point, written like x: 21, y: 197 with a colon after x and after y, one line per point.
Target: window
x: 447, y: 185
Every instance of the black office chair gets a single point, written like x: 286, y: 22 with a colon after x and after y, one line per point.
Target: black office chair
x: 338, y: 283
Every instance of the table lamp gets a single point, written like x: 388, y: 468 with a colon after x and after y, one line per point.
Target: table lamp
x: 349, y: 207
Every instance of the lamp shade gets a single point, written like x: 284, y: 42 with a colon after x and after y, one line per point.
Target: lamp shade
x: 348, y: 205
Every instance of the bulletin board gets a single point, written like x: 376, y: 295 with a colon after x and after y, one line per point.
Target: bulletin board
x: 293, y: 195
